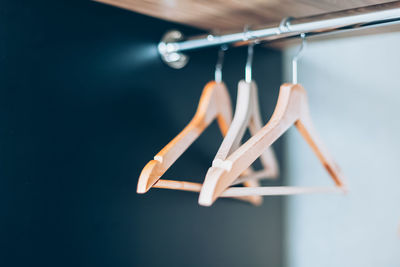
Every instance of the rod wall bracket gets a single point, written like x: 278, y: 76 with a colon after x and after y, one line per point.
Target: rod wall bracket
x: 167, y: 49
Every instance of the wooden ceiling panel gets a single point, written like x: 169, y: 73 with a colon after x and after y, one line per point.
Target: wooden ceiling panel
x: 214, y: 15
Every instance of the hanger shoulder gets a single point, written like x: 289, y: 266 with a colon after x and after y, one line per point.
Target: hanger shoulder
x: 224, y: 107
x: 268, y: 158
x: 306, y: 128
x: 286, y: 113
x: 214, y: 103
x: 239, y: 123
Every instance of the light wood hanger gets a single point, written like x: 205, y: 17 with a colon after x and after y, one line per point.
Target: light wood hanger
x: 291, y: 109
x: 247, y: 115
x: 214, y: 104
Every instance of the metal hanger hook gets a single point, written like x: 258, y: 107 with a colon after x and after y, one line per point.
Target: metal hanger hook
x: 220, y: 61
x: 298, y: 55
x: 249, y: 63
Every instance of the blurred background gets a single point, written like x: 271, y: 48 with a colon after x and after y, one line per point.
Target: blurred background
x: 86, y: 102
x: 354, y: 97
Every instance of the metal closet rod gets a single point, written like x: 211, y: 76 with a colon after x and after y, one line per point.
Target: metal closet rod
x: 173, y: 43
x: 352, y: 18
x: 370, y: 16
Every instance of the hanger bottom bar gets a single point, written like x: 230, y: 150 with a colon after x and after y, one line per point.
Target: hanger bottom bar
x: 240, y: 192
x: 196, y: 187
x: 278, y: 191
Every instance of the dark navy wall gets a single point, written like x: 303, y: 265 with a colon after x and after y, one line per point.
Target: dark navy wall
x: 85, y: 103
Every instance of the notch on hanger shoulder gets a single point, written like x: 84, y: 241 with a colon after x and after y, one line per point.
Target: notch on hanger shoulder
x: 214, y: 104
x: 291, y: 109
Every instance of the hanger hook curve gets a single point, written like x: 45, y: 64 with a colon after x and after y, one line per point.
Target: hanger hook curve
x: 298, y: 55
x: 220, y: 62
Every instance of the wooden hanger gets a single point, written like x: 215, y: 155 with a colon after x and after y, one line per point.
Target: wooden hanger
x: 247, y: 114
x: 291, y: 109
x: 214, y: 104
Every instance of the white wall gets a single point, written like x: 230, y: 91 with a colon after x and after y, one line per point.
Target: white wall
x: 353, y: 86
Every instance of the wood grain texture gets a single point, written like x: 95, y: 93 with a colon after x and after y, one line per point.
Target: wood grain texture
x: 214, y: 15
